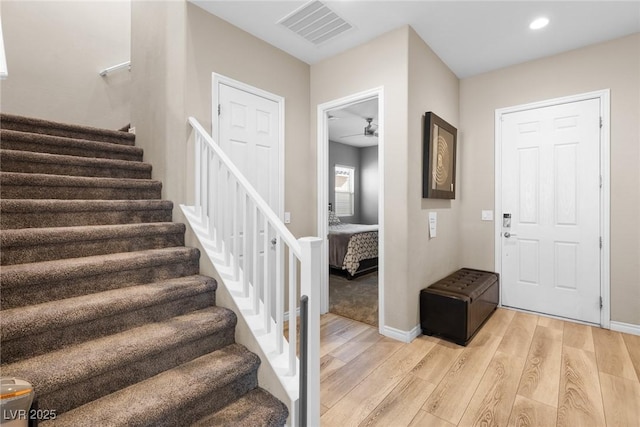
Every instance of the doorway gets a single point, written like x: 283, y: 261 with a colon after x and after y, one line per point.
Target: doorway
x: 552, y: 205
x: 353, y: 125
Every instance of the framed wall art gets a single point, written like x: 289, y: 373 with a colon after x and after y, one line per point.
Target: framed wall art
x: 438, y: 158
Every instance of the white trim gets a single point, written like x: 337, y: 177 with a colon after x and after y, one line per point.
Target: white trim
x: 323, y: 190
x: 397, y: 334
x: 218, y: 79
x: 605, y: 194
x: 4, y: 72
x: 627, y: 328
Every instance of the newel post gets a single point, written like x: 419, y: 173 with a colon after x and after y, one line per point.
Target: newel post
x: 310, y: 286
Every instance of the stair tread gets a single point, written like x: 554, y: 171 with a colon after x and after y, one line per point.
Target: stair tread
x: 48, y: 235
x: 59, y: 141
x: 33, y: 319
x: 151, y: 401
x: 124, y: 138
x: 80, y: 205
x: 257, y: 408
x: 38, y: 157
x: 45, y: 180
x: 57, y: 369
x: 31, y: 273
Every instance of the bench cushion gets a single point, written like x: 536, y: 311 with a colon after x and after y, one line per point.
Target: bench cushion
x: 456, y: 307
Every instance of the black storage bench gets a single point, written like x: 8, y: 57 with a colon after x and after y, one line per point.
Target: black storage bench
x: 456, y: 306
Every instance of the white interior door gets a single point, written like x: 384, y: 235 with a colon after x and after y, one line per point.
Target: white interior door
x: 551, y: 190
x: 248, y: 132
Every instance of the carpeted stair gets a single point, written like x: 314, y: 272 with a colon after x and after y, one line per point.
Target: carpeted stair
x: 103, y: 309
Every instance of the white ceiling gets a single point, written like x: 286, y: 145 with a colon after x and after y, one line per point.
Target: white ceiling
x: 346, y: 125
x: 471, y: 37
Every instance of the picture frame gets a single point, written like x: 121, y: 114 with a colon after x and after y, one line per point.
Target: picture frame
x: 438, y: 158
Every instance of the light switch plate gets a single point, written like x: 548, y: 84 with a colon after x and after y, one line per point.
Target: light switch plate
x: 487, y: 215
x: 287, y: 217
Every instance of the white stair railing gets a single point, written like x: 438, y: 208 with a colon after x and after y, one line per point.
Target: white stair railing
x: 121, y: 66
x: 261, y: 263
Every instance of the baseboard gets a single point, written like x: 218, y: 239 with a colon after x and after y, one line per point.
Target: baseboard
x: 397, y: 334
x: 627, y: 328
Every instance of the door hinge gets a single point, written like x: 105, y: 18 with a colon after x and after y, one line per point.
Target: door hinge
x: 600, y: 302
x: 218, y: 109
x: 600, y: 122
x: 600, y: 181
x: 600, y: 242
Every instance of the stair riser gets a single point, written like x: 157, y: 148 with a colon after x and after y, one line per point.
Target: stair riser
x: 36, y: 293
x: 74, y: 395
x: 16, y: 165
x: 206, y: 405
x: 41, y: 127
x: 76, y: 249
x: 34, y: 345
x: 15, y: 220
x: 70, y: 150
x: 9, y: 191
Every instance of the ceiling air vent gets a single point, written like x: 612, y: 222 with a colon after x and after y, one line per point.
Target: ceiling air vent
x: 315, y: 22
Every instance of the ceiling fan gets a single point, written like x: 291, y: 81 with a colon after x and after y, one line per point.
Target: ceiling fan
x: 371, y: 129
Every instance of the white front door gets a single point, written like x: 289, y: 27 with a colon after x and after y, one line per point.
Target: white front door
x: 551, y: 191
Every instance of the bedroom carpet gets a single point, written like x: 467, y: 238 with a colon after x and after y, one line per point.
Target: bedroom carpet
x: 356, y: 299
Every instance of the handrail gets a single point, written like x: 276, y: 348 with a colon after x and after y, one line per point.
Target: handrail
x: 262, y: 204
x: 234, y: 225
x: 116, y: 67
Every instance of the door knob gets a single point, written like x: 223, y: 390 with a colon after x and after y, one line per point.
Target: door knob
x: 507, y: 234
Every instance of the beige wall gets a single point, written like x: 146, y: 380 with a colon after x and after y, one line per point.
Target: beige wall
x: 355, y: 71
x: 612, y: 65
x: 214, y: 45
x: 432, y: 87
x: 55, y: 50
x: 414, y: 81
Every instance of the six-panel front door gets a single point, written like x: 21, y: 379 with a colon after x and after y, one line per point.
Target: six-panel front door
x: 551, y: 191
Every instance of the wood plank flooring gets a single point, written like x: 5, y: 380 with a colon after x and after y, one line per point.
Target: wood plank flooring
x: 520, y: 370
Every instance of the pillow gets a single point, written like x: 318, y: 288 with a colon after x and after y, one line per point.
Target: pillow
x: 333, y: 218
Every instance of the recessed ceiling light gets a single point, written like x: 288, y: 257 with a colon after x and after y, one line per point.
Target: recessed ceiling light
x: 538, y: 23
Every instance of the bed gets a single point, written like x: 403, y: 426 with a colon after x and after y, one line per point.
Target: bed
x: 353, y: 248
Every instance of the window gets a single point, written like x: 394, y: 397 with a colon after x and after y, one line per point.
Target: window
x: 344, y: 190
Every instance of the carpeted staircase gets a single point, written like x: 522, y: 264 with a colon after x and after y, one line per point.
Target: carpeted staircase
x: 103, y: 310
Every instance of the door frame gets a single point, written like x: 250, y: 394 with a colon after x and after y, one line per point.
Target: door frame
x: 323, y: 191
x: 605, y: 193
x: 216, y: 81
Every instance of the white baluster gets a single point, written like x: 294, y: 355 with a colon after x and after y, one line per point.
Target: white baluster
x: 293, y: 308
x: 245, y: 242
x: 279, y: 295
x: 268, y: 289
x: 219, y: 204
x: 197, y: 151
x: 256, y: 257
x: 213, y: 170
x: 228, y: 211
x: 236, y: 237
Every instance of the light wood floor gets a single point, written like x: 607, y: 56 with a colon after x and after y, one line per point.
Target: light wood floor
x: 520, y: 370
